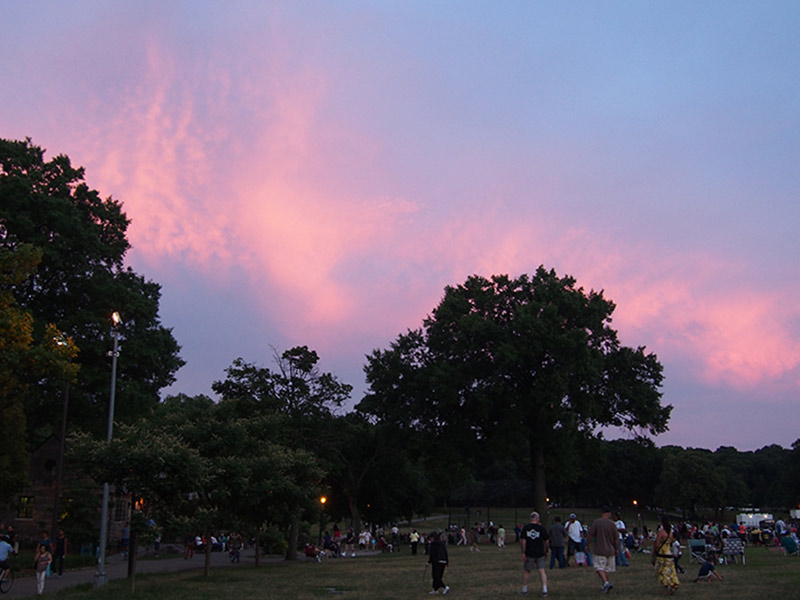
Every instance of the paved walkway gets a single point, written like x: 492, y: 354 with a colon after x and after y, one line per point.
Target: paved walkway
x: 117, y: 568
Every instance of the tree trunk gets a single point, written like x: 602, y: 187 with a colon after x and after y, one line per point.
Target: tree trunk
x: 539, y: 481
x: 132, y: 560
x: 294, y: 536
x: 355, y: 514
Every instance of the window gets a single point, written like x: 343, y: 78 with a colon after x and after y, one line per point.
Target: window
x: 25, y: 510
x: 121, y: 510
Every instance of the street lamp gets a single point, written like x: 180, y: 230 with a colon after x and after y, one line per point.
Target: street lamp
x: 100, y: 577
x: 60, y: 341
x: 322, y: 501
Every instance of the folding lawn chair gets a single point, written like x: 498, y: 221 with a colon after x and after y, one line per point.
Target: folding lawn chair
x: 733, y: 549
x: 697, y: 550
x: 789, y: 546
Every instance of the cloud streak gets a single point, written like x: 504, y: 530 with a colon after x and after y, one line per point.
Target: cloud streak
x: 333, y: 180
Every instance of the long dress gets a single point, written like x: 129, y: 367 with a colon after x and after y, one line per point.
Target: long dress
x: 665, y: 566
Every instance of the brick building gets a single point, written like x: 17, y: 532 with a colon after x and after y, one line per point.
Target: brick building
x: 32, y: 510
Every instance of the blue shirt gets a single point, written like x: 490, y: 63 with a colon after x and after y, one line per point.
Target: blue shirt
x: 5, y: 550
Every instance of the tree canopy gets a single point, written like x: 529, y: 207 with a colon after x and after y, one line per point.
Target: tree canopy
x: 79, y: 282
x: 26, y: 357
x: 516, y: 366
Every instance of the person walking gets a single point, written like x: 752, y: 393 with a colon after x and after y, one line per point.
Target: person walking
x: 663, y: 557
x: 534, y: 542
x: 622, y: 560
x: 603, y: 532
x: 574, y: 537
x: 46, y: 543
x: 558, y: 535
x: 61, y: 551
x: 41, y: 562
x: 438, y: 560
x: 475, y: 536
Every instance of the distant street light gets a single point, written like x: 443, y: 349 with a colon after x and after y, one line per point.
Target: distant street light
x: 322, y: 501
x: 100, y: 577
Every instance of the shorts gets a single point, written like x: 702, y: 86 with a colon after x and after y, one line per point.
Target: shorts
x: 531, y: 563
x: 604, y: 563
x: 573, y: 546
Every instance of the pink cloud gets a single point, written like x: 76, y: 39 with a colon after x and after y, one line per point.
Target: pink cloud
x: 237, y: 166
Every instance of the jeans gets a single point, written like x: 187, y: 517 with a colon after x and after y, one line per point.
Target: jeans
x: 621, y: 560
x: 557, y: 554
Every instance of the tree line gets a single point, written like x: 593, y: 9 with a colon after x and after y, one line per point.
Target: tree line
x: 498, y: 397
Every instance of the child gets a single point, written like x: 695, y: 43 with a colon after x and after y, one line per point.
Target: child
x: 676, y: 554
x: 41, y: 561
x: 706, y: 571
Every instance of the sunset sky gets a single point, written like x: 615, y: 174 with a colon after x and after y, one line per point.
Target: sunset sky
x: 315, y: 173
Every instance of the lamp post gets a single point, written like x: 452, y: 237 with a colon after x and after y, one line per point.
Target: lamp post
x: 60, y: 458
x: 100, y: 577
x: 60, y: 341
x: 322, y: 501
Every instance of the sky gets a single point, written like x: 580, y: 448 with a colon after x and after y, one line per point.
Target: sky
x: 315, y: 173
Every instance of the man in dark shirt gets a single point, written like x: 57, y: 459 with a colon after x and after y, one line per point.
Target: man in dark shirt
x: 438, y: 559
x: 534, y: 541
x: 558, y: 535
x: 604, y: 534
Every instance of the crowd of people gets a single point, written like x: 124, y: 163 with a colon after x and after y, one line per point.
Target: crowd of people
x: 603, y: 545
x: 47, y: 553
x: 232, y: 543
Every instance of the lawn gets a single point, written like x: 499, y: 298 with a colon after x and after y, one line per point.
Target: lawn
x: 488, y: 574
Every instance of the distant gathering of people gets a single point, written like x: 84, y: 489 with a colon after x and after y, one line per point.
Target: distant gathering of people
x: 604, y: 546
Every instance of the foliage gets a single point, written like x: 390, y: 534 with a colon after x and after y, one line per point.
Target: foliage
x: 27, y: 356
x: 296, y: 403
x: 688, y: 481
x: 79, y: 282
x: 79, y: 510
x: 515, y: 366
x: 198, y: 466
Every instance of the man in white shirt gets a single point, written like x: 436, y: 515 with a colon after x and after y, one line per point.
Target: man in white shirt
x: 574, y: 536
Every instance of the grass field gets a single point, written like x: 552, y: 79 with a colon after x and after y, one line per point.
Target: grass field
x: 486, y: 575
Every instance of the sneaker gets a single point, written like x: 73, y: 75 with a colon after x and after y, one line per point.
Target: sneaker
x: 353, y: 555
x: 433, y: 593
x: 524, y: 590
x: 446, y: 589
x: 606, y: 587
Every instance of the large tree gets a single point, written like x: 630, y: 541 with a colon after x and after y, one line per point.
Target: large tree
x: 27, y: 356
x: 202, y: 466
x: 79, y: 282
x: 516, y: 366
x: 689, y: 481
x: 304, y: 397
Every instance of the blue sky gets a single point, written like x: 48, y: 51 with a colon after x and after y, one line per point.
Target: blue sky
x: 315, y: 173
